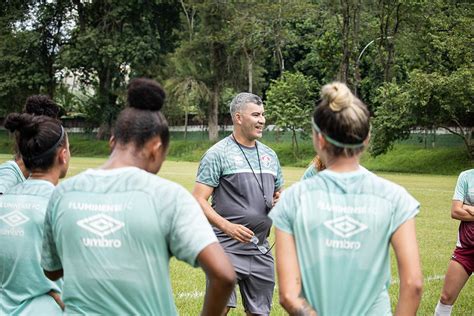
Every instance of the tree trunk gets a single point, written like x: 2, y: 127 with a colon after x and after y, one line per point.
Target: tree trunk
x: 213, y: 127
x: 294, y: 143
x: 344, y: 64
x: 249, y: 56
x: 107, y: 101
x: 186, y: 112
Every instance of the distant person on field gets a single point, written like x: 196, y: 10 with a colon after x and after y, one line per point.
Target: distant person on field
x: 333, y: 230
x: 461, y: 266
x: 14, y: 171
x: 112, y: 231
x: 244, y: 178
x: 44, y: 148
x: 316, y: 166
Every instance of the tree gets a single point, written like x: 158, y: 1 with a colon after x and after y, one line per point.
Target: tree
x: 438, y: 93
x: 113, y: 40
x: 31, y: 36
x: 290, y: 103
x: 426, y: 100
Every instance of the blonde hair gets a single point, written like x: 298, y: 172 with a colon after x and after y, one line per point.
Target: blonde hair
x: 343, y: 119
x: 337, y: 95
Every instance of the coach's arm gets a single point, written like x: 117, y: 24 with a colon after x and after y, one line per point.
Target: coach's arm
x: 201, y: 193
x: 462, y: 211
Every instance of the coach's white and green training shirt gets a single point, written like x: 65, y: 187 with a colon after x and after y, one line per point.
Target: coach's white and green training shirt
x: 113, y: 232
x: 10, y: 175
x: 237, y: 194
x: 23, y: 285
x: 342, y: 224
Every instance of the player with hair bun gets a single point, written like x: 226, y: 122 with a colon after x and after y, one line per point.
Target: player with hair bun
x: 112, y: 231
x: 14, y: 171
x: 40, y: 104
x: 333, y: 230
x: 44, y: 149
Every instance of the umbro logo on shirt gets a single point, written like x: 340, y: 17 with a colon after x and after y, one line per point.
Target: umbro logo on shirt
x: 345, y: 226
x: 100, y: 224
x: 14, y: 218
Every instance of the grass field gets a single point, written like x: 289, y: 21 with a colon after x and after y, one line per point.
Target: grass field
x: 436, y: 236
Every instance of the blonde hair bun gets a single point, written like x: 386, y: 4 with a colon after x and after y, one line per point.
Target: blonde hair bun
x: 337, y: 95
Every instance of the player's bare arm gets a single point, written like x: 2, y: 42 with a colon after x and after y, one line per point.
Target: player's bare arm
x: 289, y: 276
x: 201, y: 193
x: 409, y: 270
x: 221, y: 276
x: 469, y: 209
x: 461, y: 211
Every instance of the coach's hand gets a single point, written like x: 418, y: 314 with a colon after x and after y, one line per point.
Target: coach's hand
x: 238, y: 232
x: 276, y: 197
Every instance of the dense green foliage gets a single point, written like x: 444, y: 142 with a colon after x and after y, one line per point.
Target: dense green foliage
x: 290, y: 102
x: 409, y: 60
x: 438, y: 92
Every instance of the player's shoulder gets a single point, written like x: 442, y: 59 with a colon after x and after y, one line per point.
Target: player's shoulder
x: 33, y: 187
x: 118, y: 180
x: 467, y: 174
x: 385, y: 188
x: 9, y: 166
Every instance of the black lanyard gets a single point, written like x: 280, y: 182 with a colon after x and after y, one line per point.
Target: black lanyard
x: 259, y: 166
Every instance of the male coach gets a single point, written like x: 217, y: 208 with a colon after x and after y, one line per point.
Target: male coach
x: 244, y: 178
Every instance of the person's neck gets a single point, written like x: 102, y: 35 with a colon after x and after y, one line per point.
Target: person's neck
x: 242, y: 140
x: 343, y: 164
x: 122, y: 157
x: 21, y: 165
x: 49, y: 175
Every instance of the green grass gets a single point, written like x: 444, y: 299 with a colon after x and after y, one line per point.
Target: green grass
x: 435, y: 229
x: 415, y: 159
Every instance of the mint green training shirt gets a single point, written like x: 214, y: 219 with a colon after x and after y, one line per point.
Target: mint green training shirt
x: 23, y: 285
x: 309, y: 172
x: 10, y: 175
x: 114, y: 232
x: 342, y: 224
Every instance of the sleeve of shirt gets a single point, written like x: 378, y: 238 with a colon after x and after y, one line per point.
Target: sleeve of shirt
x: 309, y: 172
x: 8, y: 178
x: 279, y: 178
x: 210, y: 169
x: 284, y: 213
x: 461, y: 188
x: 50, y: 260
x: 190, y: 232
x: 405, y: 208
